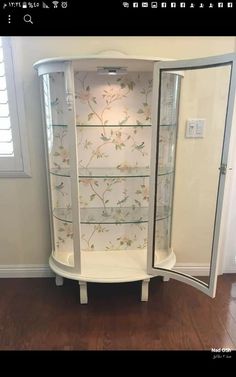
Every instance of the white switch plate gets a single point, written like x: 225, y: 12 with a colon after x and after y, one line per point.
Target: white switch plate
x: 195, y: 128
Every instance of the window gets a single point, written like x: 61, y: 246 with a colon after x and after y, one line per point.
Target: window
x: 14, y: 161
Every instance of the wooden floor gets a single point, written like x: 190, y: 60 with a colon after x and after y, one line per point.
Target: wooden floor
x: 35, y: 314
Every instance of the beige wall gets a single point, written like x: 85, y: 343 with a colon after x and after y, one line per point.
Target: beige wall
x: 197, y: 163
x: 24, y: 225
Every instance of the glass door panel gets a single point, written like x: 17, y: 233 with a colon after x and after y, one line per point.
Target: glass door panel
x: 195, y: 150
x: 58, y: 148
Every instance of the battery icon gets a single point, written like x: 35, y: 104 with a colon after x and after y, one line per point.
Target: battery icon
x: 24, y: 5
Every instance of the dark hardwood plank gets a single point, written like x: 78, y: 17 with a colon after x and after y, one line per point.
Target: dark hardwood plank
x: 225, y: 303
x: 35, y: 314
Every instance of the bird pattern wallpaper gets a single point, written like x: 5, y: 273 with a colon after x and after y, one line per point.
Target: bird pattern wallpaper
x: 113, y: 117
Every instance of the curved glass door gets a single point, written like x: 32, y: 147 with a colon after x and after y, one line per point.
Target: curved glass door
x: 195, y: 149
x: 58, y: 152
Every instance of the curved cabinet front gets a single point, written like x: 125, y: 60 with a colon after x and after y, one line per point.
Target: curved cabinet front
x: 98, y: 133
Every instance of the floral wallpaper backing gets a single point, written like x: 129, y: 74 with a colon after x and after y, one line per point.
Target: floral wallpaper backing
x: 114, y: 138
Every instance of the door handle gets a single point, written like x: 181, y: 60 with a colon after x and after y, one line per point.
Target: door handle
x: 223, y: 169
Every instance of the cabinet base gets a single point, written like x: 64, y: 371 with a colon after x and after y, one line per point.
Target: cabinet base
x: 165, y: 278
x: 59, y: 280
x: 144, y: 292
x: 83, y: 292
x: 110, y: 267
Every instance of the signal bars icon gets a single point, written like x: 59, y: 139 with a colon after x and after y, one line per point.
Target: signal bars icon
x: 56, y: 4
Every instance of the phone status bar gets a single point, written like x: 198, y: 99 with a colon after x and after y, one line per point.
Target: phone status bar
x: 35, y: 4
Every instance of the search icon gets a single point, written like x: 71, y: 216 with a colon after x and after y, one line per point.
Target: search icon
x: 27, y: 18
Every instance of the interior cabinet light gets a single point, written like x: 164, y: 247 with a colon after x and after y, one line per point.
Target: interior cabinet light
x: 112, y: 70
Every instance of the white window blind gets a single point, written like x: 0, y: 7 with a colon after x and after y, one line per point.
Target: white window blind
x: 13, y: 149
x: 6, y: 142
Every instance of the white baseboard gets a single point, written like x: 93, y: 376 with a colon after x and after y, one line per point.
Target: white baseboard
x: 25, y: 271
x: 194, y: 269
x: 44, y: 271
x: 229, y: 270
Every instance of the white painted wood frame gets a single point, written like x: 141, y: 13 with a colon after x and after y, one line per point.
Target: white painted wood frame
x: 228, y: 59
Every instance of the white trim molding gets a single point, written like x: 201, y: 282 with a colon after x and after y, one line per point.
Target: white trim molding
x: 44, y: 271
x: 193, y: 269
x: 25, y: 271
x: 229, y: 269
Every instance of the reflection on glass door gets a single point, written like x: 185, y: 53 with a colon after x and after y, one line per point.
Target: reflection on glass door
x: 58, y: 147
x: 170, y: 88
x: 197, y: 153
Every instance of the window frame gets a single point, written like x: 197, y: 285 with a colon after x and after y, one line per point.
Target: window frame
x: 19, y: 164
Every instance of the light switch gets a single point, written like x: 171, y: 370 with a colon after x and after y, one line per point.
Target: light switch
x: 190, y: 129
x: 200, y: 123
x: 195, y: 128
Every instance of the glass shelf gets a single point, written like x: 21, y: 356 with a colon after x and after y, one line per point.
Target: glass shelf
x: 168, y: 125
x: 106, y: 125
x: 59, y: 125
x: 113, y: 125
x: 114, y: 172
x: 64, y: 172
x: 110, y: 172
x: 111, y: 215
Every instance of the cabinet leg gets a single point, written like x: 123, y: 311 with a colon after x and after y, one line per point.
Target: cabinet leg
x: 165, y: 278
x: 83, y: 292
x: 59, y: 280
x: 144, y: 294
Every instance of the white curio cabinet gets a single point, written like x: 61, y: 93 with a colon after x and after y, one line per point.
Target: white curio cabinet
x: 136, y: 156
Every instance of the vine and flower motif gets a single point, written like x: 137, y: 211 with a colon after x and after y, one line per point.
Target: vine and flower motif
x: 95, y: 145
x: 88, y: 238
x: 124, y: 242
x: 145, y: 108
x: 60, y: 150
x: 98, y: 111
x: 64, y: 232
x: 144, y: 192
x: 123, y: 102
x: 101, y: 147
x: 94, y: 238
x: 100, y: 189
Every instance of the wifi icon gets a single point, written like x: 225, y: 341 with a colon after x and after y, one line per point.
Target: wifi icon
x: 55, y: 3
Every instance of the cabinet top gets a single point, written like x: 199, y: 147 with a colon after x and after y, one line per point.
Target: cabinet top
x: 104, y: 58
